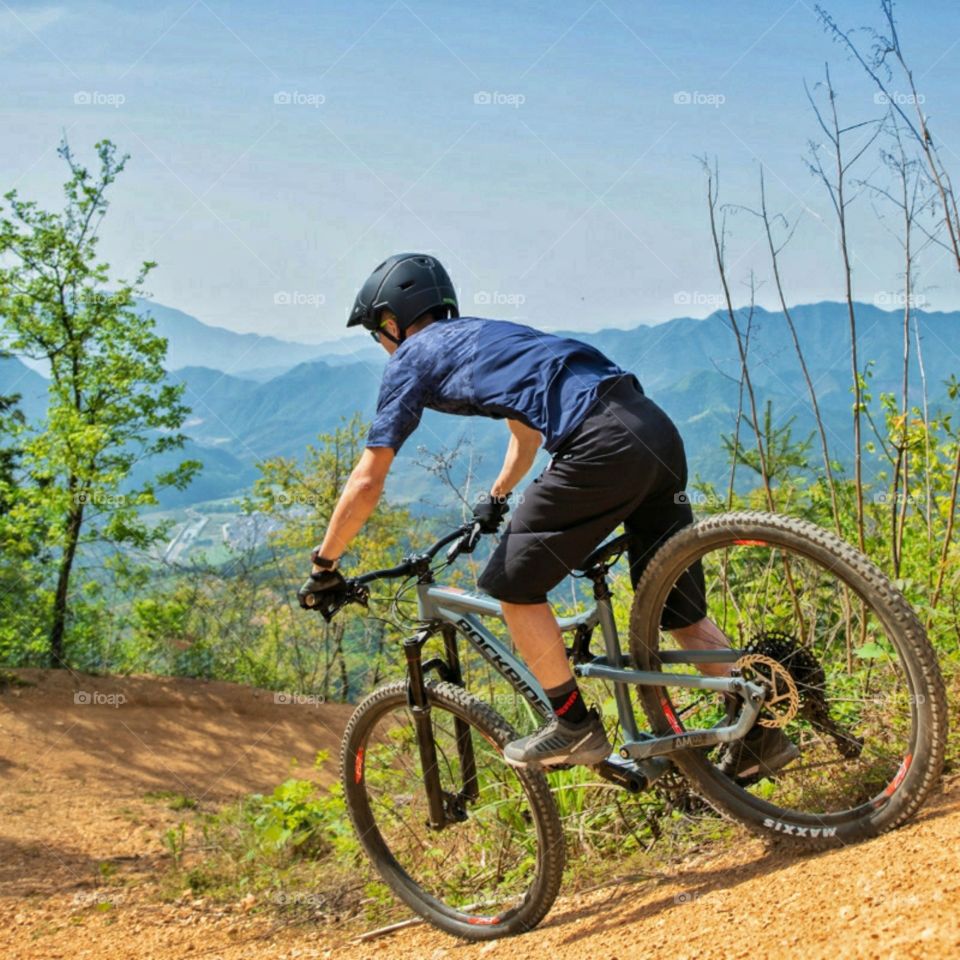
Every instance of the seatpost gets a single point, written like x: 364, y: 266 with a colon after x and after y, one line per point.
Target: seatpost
x: 611, y: 640
x: 601, y: 589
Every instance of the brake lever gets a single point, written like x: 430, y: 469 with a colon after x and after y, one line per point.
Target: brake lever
x: 329, y: 612
x: 358, y: 593
x: 466, y: 544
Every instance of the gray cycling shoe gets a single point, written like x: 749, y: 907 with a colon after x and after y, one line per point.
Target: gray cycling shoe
x: 559, y: 742
x: 762, y: 752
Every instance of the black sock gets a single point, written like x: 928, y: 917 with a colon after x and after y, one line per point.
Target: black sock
x: 567, y: 703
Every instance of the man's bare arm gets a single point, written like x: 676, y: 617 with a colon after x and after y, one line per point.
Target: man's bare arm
x: 521, y: 452
x: 359, y: 499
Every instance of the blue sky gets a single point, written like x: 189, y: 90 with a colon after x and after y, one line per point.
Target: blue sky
x: 280, y: 151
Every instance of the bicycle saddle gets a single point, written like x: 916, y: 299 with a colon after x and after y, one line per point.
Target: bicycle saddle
x: 605, y: 551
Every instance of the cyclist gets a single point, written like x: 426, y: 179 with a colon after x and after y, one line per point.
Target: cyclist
x: 616, y: 458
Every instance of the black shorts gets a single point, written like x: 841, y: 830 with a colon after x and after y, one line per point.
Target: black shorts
x: 625, y: 463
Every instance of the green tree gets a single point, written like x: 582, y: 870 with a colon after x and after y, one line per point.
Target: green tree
x: 11, y: 421
x: 110, y: 406
x: 784, y: 454
x: 22, y: 549
x: 301, y: 496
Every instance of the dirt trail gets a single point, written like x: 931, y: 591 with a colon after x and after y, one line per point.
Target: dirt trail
x: 78, y: 755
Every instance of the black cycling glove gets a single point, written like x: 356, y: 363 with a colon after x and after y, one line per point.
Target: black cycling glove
x: 490, y: 511
x: 324, y: 591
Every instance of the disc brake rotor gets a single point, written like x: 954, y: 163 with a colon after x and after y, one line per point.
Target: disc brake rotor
x: 808, y: 680
x: 783, y: 700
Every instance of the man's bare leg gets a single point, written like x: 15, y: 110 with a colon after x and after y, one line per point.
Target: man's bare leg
x: 705, y: 635
x: 577, y: 734
x: 536, y: 633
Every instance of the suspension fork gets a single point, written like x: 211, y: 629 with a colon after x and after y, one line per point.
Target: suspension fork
x: 444, y: 807
x: 468, y: 762
x: 419, y: 704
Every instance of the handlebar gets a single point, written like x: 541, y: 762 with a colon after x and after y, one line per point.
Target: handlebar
x: 412, y: 563
x: 354, y: 589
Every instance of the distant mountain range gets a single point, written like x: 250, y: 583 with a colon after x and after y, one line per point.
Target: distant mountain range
x: 255, y: 397
x: 247, y: 355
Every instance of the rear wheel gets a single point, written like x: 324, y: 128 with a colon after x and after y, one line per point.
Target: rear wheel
x: 860, y: 691
x: 497, y: 869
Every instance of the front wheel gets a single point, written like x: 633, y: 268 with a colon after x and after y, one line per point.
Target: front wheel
x: 495, y: 869
x: 860, y: 692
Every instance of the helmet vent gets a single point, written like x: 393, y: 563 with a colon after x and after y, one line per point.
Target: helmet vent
x: 407, y: 284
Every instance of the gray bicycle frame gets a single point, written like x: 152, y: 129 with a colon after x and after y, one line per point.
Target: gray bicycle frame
x: 464, y: 610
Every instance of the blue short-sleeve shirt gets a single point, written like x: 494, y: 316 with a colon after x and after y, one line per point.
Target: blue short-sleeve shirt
x: 489, y: 368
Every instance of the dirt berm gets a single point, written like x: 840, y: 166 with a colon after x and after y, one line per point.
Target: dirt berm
x: 80, y: 755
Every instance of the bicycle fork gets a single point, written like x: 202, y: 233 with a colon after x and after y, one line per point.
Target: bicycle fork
x: 443, y: 806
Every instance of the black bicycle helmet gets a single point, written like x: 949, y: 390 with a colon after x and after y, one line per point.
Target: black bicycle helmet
x: 408, y: 285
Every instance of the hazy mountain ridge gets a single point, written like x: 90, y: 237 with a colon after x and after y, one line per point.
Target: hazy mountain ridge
x: 192, y: 343
x: 16, y: 378
x: 690, y: 367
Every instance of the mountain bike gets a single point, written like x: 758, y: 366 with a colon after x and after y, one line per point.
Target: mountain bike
x: 823, y: 646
